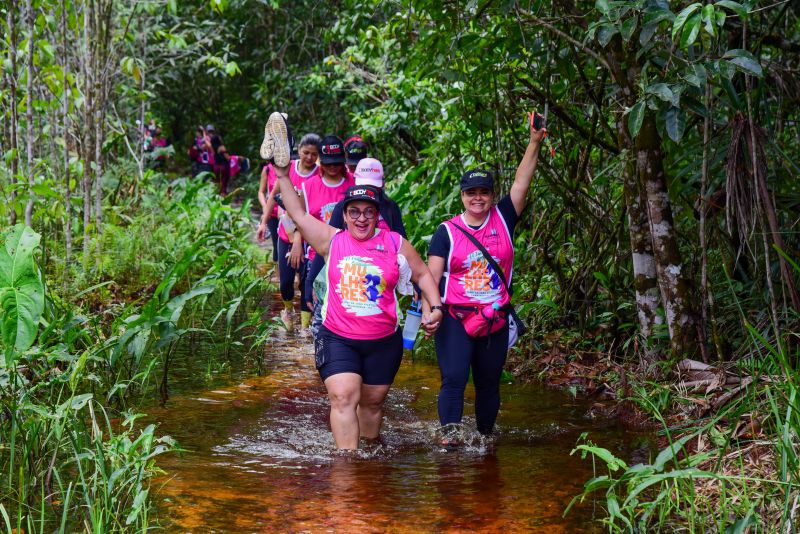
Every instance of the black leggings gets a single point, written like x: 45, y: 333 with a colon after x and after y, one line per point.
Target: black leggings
x: 287, y: 275
x: 272, y: 226
x: 457, y: 353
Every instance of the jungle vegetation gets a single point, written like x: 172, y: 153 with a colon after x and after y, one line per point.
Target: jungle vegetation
x: 661, y: 236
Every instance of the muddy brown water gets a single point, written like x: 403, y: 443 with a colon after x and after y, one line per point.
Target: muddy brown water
x: 258, y: 457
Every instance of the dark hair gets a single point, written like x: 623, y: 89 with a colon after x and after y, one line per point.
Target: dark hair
x: 309, y: 139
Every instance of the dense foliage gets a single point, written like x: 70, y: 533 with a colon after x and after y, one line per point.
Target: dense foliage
x: 662, y: 223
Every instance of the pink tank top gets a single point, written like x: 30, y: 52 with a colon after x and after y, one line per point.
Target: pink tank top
x: 322, y: 197
x: 271, y: 179
x: 470, y: 279
x: 297, y: 181
x: 362, y: 275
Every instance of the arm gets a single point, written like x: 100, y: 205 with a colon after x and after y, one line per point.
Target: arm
x: 422, y: 276
x: 317, y: 233
x: 526, y: 169
x: 262, y: 187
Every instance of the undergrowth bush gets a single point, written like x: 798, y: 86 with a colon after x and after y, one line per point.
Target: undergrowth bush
x: 82, y: 347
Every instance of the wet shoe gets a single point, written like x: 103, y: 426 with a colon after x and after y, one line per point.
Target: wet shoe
x: 286, y: 319
x: 277, y: 143
x: 451, y: 436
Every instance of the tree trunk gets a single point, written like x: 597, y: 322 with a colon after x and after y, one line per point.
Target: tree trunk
x: 88, y: 126
x: 12, y: 89
x: 645, y: 279
x: 65, y: 125
x: 675, y: 288
x: 29, y: 115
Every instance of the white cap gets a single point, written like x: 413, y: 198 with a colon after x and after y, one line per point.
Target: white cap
x: 369, y: 171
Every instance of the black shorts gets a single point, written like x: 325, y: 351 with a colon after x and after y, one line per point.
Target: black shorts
x: 376, y: 360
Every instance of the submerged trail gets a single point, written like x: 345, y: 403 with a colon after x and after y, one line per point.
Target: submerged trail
x: 259, y: 457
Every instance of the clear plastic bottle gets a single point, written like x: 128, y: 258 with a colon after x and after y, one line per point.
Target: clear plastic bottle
x: 411, y: 326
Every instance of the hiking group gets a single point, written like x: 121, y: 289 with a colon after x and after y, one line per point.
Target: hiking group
x: 208, y: 154
x: 334, y: 227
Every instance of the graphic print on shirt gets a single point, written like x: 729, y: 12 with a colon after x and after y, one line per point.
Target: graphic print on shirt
x: 361, y: 285
x: 326, y: 211
x: 480, y: 282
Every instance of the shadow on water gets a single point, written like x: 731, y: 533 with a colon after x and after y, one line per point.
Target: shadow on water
x: 258, y: 458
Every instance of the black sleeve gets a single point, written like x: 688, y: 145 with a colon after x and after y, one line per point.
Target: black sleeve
x: 508, y: 212
x: 337, y: 216
x: 440, y: 243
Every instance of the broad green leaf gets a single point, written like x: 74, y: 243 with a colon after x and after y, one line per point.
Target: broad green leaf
x: 647, y: 33
x: 690, y: 31
x: 628, y: 27
x: 173, y: 6
x: 605, y: 33
x: 662, y: 91
x: 21, y: 288
x: 682, y: 17
x: 675, y: 122
x: 602, y: 6
x: 709, y: 19
x: 745, y: 61
x: 635, y: 118
x: 736, y: 7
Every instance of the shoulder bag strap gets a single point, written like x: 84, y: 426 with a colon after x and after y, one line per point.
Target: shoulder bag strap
x: 486, y: 255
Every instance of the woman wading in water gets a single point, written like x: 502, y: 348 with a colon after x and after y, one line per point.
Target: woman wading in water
x: 359, y: 346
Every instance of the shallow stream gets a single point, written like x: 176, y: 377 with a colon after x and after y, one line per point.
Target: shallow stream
x: 258, y: 458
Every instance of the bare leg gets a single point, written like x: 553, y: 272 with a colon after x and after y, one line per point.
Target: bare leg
x: 370, y: 409
x: 344, y: 391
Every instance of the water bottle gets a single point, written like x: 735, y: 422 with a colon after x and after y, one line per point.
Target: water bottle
x: 410, y: 329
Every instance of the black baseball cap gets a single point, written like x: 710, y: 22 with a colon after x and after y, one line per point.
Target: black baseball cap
x: 367, y: 193
x: 331, y: 150
x: 356, y: 150
x: 477, y: 178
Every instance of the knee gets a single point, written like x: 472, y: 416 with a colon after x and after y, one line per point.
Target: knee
x: 343, y: 399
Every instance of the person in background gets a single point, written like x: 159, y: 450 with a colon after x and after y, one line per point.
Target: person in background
x: 355, y: 150
x: 321, y: 194
x: 200, y: 153
x: 159, y: 143
x: 269, y: 216
x: 469, y: 285
x: 291, y: 256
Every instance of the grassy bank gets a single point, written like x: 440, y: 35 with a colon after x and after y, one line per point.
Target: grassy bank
x: 84, y: 348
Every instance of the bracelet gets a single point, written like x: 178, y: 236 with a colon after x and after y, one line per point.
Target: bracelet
x: 439, y: 307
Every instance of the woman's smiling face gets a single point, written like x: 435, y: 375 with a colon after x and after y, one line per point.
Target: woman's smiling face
x: 361, y: 217
x: 477, y: 201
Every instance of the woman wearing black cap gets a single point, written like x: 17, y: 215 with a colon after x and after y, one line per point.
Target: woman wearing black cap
x: 469, y: 286
x: 359, y: 346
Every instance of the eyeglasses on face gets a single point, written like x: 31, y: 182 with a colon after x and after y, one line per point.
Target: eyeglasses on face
x: 477, y: 192
x: 368, y: 213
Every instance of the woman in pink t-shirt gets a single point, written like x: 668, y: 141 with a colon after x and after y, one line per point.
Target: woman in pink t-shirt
x: 469, y: 285
x: 359, y: 346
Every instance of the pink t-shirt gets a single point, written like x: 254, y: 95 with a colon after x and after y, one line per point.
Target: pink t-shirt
x: 271, y: 179
x: 321, y: 197
x: 469, y: 277
x: 297, y: 181
x: 362, y: 276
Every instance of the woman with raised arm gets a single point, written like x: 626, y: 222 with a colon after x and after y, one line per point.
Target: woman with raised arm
x: 469, y: 285
x: 359, y: 346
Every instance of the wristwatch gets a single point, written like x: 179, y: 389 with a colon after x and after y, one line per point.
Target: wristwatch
x: 439, y: 307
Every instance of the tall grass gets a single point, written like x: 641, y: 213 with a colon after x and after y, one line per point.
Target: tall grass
x: 72, y: 456
x: 737, y: 470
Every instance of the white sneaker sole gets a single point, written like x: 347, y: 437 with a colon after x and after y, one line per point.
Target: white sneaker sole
x: 276, y: 141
